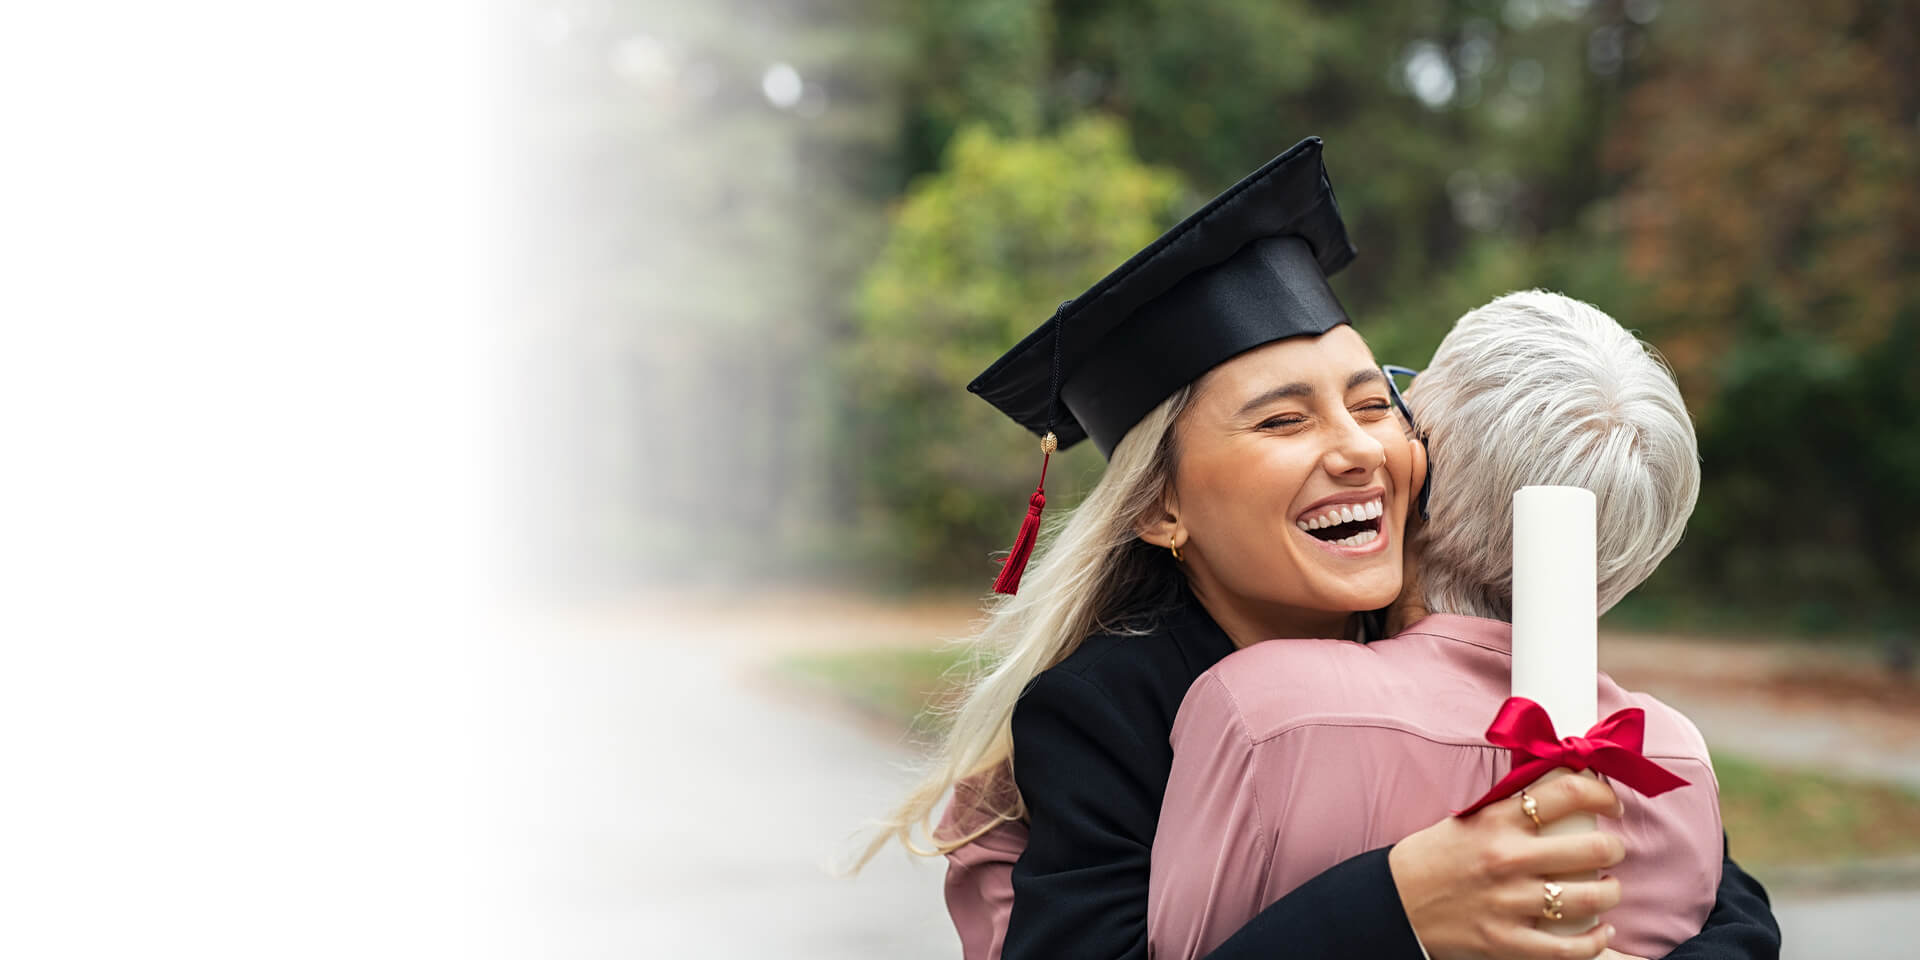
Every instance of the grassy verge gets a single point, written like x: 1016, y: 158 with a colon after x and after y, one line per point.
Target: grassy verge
x: 1776, y: 816
x: 896, y: 686
x: 1783, y: 816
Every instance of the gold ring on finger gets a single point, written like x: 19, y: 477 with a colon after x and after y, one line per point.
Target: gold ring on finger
x: 1531, y: 808
x: 1554, y: 908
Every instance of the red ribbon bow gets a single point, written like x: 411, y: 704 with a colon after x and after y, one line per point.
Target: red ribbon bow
x: 1612, y: 747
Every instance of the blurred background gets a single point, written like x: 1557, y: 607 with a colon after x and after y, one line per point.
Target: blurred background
x: 776, y: 240
x: 773, y: 242
x: 497, y: 479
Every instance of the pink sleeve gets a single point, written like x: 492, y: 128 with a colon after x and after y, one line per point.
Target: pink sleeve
x: 980, y: 873
x: 980, y: 889
x: 1205, y: 885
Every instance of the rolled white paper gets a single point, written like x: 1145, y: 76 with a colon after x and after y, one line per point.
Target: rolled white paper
x: 1556, y: 661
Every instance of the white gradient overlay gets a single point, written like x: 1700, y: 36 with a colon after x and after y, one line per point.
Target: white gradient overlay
x: 249, y: 518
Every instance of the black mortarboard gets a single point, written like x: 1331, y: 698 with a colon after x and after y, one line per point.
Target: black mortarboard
x: 1248, y: 268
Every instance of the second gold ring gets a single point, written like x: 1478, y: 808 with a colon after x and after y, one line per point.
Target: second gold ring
x: 1553, y: 908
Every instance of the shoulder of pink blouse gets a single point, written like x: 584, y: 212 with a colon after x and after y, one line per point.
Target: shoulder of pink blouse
x: 1672, y: 871
x: 1274, y: 684
x: 979, y: 885
x: 1668, y: 730
x: 1212, y: 850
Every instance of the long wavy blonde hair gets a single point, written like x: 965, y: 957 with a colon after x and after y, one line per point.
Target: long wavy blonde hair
x: 1091, y: 573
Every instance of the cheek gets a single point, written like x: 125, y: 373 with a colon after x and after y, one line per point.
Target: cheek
x: 1245, y: 496
x: 1399, y: 462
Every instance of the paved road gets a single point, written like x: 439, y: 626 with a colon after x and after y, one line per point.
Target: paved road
x: 1801, y: 738
x: 1874, y: 926
x: 677, y: 807
x: 679, y: 811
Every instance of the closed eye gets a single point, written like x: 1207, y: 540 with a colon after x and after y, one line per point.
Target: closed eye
x: 1275, y: 423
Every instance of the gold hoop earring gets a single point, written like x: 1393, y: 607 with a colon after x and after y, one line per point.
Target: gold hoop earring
x: 1176, y: 550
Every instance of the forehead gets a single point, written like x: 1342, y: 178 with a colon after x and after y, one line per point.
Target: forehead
x: 1323, y: 362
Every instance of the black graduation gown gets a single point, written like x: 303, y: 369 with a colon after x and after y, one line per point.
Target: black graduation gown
x: 1091, y: 754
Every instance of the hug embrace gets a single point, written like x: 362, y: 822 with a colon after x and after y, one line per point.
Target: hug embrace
x: 1239, y: 692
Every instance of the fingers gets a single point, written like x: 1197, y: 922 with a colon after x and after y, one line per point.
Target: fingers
x: 1578, y: 898
x: 1533, y: 944
x: 1569, y: 794
x: 1534, y: 858
x: 1576, y: 853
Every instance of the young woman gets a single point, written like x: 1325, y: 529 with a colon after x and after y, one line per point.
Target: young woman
x: 1217, y: 371
x: 1291, y: 756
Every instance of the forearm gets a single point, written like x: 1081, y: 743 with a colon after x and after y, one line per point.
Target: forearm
x: 1350, y: 910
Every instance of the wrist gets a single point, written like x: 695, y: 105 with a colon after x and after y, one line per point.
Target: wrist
x: 1411, y: 882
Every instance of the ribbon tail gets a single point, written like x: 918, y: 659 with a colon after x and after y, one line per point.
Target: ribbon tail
x: 1510, y: 784
x: 1647, y: 778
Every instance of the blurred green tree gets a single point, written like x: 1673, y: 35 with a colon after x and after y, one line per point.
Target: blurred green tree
x: 979, y: 254
x: 1737, y: 180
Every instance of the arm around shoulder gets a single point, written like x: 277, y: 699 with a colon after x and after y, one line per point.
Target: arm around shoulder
x: 1091, y: 779
x: 1211, y: 861
x: 1741, y: 925
x: 979, y: 889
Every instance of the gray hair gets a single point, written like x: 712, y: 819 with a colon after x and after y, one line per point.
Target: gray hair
x: 1538, y: 388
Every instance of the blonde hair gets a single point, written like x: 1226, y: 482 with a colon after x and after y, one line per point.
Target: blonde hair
x: 1092, y: 574
x: 1539, y: 388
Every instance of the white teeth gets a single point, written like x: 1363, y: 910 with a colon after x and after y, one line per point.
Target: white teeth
x: 1350, y: 513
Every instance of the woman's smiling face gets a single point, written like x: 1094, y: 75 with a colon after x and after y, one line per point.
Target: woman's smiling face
x: 1290, y: 490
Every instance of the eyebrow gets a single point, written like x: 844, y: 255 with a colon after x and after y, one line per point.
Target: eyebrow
x: 1303, y: 389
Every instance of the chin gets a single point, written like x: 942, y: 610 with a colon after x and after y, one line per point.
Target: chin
x: 1355, y: 598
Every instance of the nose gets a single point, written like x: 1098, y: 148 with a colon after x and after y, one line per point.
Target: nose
x: 1354, y: 453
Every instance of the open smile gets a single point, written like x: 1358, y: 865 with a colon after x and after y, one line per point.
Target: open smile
x: 1351, y: 526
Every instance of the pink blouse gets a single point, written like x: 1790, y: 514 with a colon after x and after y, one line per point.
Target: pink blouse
x: 1291, y: 756
x: 980, y: 874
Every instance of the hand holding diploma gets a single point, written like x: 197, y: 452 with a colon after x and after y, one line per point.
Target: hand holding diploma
x: 1555, y: 674
x: 1491, y: 859
x: 1471, y: 885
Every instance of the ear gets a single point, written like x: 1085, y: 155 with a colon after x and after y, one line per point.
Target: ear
x: 1161, y: 526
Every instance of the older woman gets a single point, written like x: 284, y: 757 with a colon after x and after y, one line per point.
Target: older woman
x: 1290, y: 757
x: 1217, y: 371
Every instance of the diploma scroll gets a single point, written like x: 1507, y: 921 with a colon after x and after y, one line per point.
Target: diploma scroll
x: 1555, y: 629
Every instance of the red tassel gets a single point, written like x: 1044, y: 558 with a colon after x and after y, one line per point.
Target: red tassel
x: 1009, y: 579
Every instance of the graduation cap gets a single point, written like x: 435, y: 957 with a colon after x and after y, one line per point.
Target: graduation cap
x: 1247, y: 269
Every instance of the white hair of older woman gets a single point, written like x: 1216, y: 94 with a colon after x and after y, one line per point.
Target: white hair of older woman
x: 1539, y: 388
